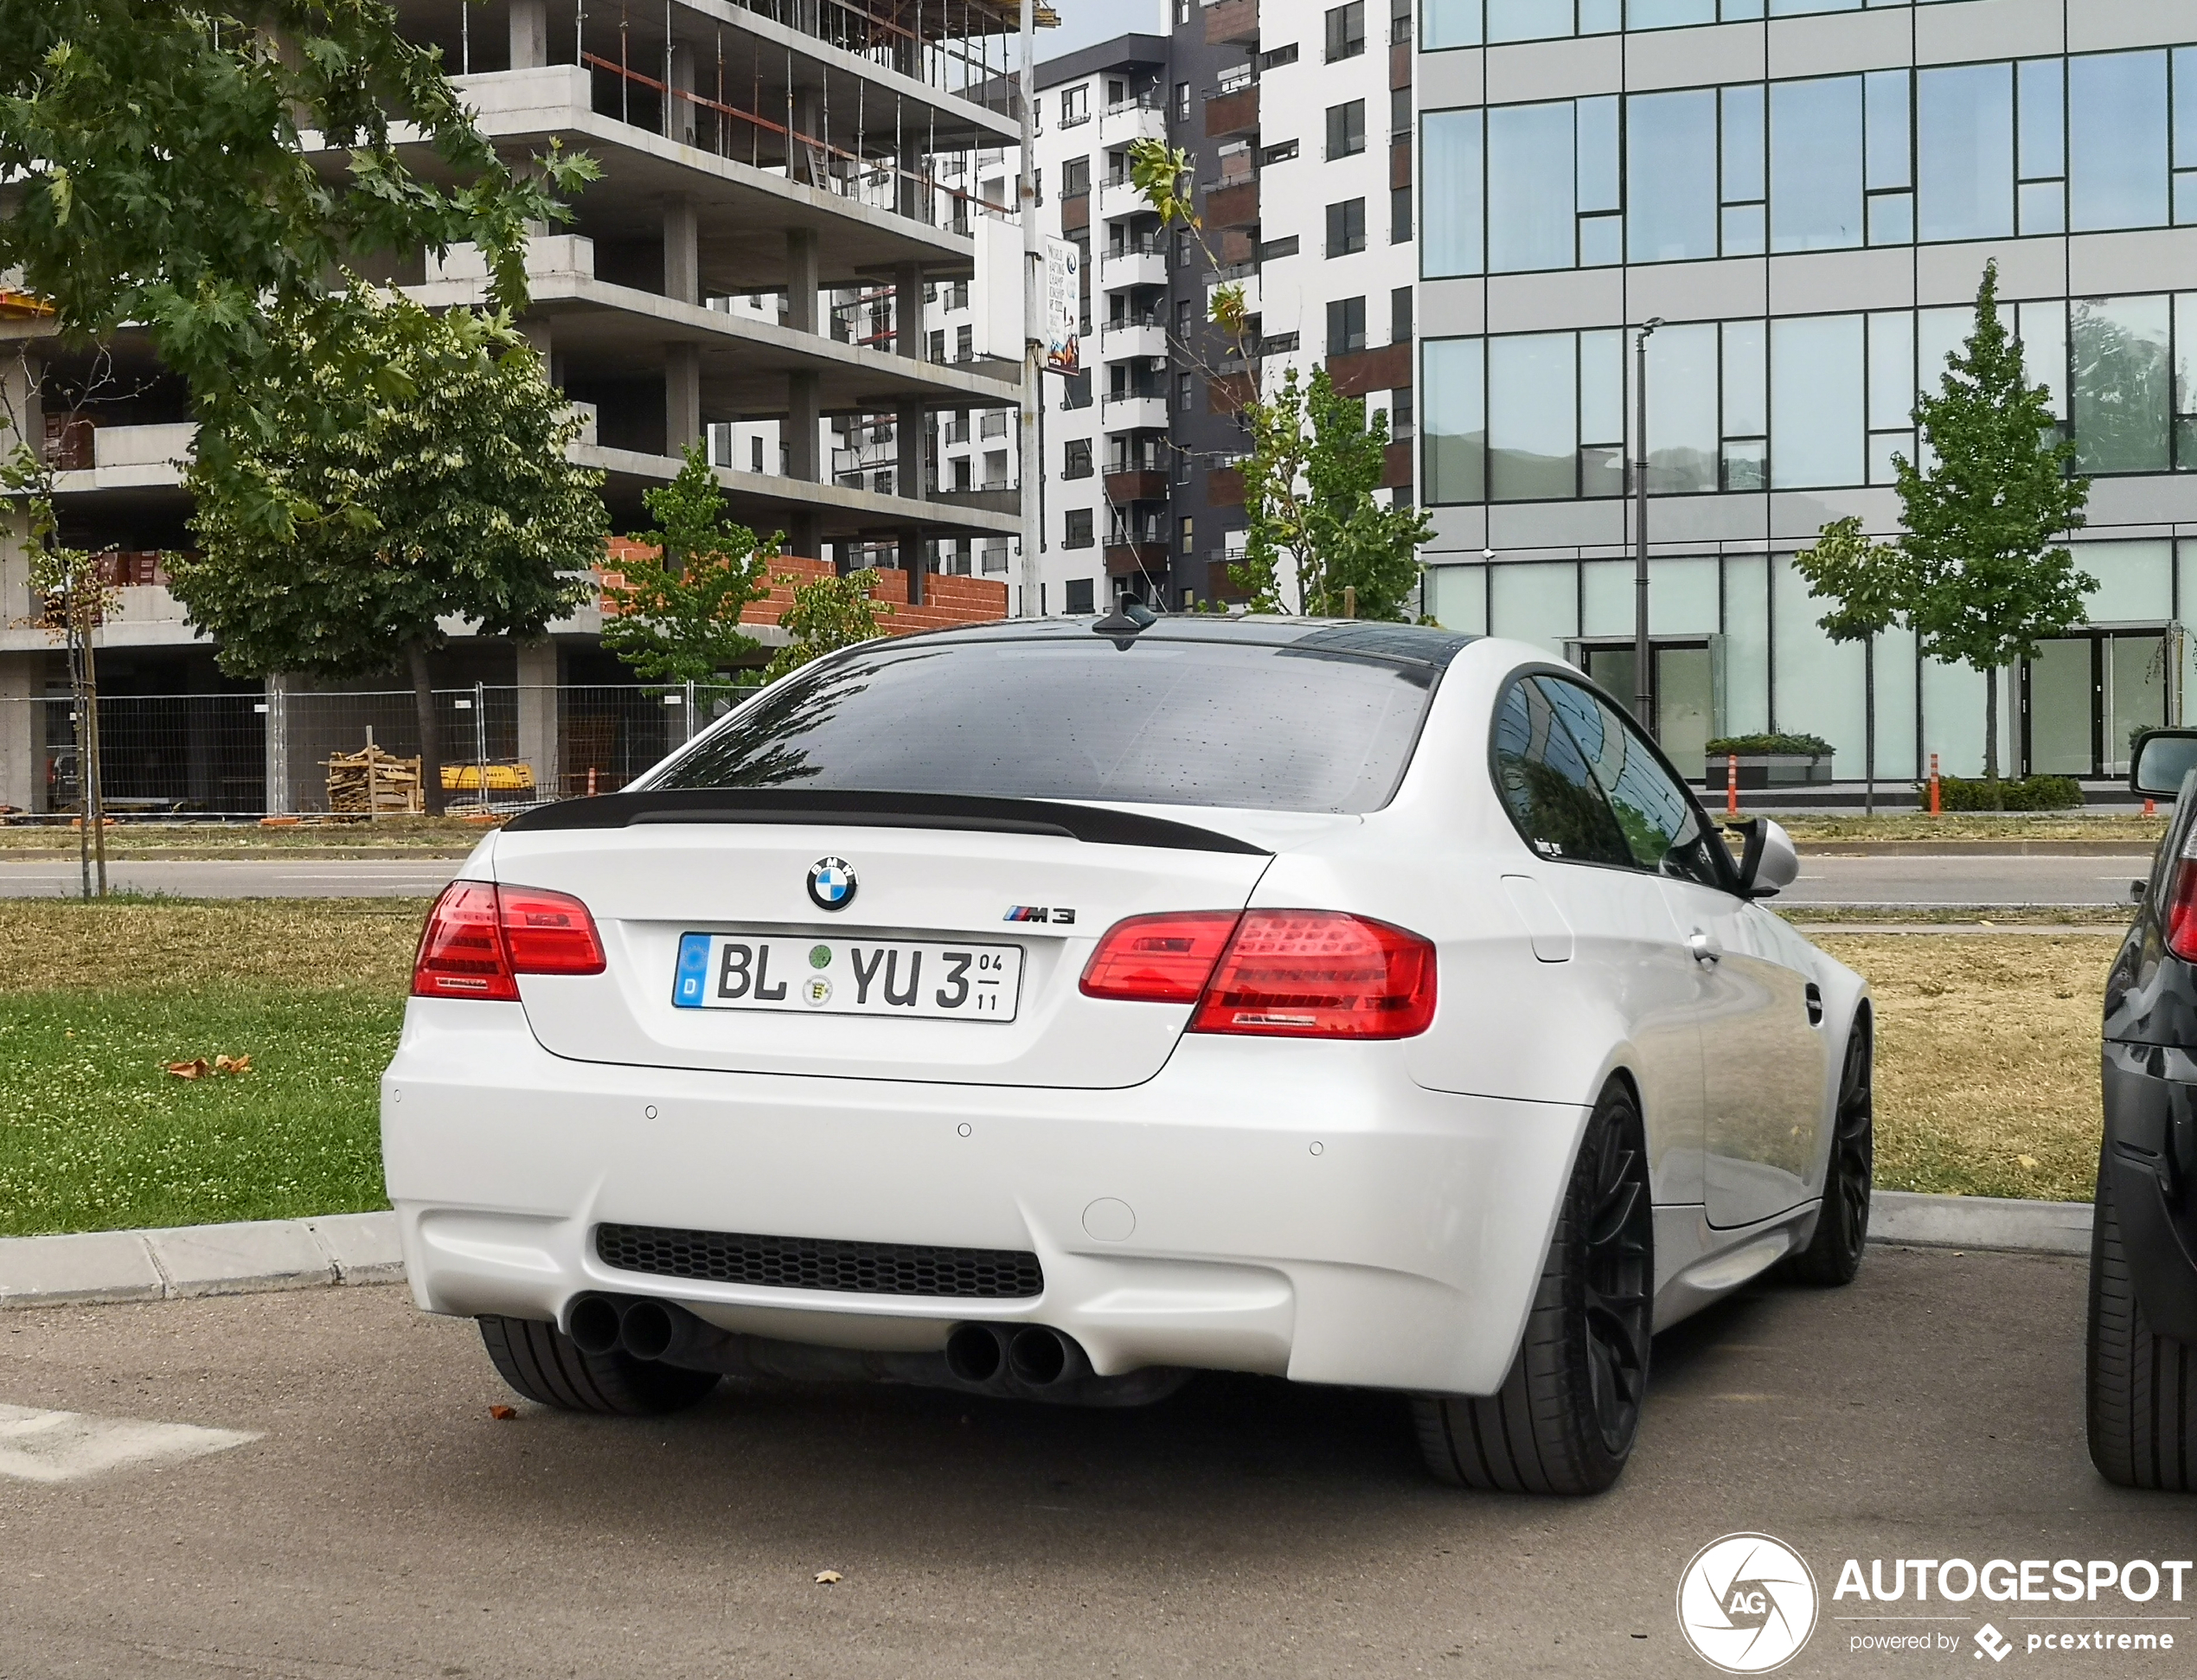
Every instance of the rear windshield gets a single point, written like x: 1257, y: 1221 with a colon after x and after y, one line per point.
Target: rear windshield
x: 1289, y: 727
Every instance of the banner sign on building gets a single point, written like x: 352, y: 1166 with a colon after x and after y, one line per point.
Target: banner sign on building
x: 1063, y: 306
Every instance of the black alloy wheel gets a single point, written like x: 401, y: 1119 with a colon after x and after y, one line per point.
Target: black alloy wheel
x: 1833, y: 1255
x: 1564, y: 1420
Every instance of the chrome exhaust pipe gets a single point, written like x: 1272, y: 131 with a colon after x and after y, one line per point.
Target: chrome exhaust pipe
x: 974, y: 1353
x: 593, y: 1324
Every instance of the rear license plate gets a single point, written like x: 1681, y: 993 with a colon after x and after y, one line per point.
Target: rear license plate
x: 847, y: 976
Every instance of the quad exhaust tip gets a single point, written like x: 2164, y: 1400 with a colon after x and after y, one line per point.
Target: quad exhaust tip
x: 1012, y: 1356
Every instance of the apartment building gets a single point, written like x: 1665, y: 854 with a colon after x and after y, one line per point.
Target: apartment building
x: 1805, y: 201
x: 774, y: 210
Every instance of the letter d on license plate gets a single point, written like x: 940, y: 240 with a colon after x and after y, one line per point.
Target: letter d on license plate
x: 847, y: 976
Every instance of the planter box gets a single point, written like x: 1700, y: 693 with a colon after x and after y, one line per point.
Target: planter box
x: 1759, y: 770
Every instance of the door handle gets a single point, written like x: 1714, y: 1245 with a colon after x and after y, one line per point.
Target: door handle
x: 1702, y: 947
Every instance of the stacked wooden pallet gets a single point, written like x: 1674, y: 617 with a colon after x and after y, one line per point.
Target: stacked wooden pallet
x: 373, y: 783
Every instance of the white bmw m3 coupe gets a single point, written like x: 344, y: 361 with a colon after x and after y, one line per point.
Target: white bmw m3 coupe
x: 1054, y: 1011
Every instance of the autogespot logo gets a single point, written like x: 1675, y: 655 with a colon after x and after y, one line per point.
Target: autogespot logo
x: 1746, y: 1603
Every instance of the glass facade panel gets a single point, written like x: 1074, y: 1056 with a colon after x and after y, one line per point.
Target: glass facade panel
x: 1449, y: 24
x: 1602, y: 413
x: 1746, y: 412
x: 1887, y: 163
x: 1597, y: 159
x: 1449, y: 193
x: 1671, y: 175
x: 1816, y: 164
x: 1682, y: 438
x: 1668, y: 14
x: 2042, y: 328
x: 1533, y: 417
x: 2116, y: 140
x: 1528, y: 20
x: 2122, y: 384
x: 1892, y: 370
x: 1743, y: 158
x: 1816, y: 407
x: 2185, y: 101
x: 1530, y: 175
x: 1452, y: 420
x: 1965, y: 137
x: 2042, y: 85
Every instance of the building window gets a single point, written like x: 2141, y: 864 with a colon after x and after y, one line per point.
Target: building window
x: 1400, y: 215
x: 1280, y: 344
x: 1346, y: 227
x: 1346, y: 326
x: 1075, y: 178
x: 1399, y: 316
x: 1183, y: 102
x: 1075, y: 106
x: 1400, y: 112
x: 1347, y: 129
x: 1274, y: 57
x: 1076, y: 593
x: 1273, y: 249
x: 1076, y: 463
x: 755, y: 451
x: 1187, y: 533
x: 1076, y: 532
x: 965, y: 342
x: 1347, y: 31
x: 994, y: 424
x: 1280, y: 152
x: 1185, y: 392
x: 937, y: 342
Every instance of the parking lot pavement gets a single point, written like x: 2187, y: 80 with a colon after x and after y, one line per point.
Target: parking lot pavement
x: 321, y: 877
x: 1952, y: 880
x: 382, y: 1523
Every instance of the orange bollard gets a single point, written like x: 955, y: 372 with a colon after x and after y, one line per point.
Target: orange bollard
x: 1935, y: 809
x: 591, y: 781
x: 2150, y: 806
x: 1730, y: 784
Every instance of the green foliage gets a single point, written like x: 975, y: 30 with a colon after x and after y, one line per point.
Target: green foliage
x: 2017, y: 794
x: 1983, y: 580
x: 339, y: 523
x: 1810, y: 746
x: 1862, y: 579
x: 1161, y: 174
x: 828, y: 613
x: 153, y: 153
x: 1309, y: 489
x: 677, y: 617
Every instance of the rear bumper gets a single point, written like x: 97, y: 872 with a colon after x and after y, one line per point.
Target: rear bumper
x: 1301, y: 1210
x: 2152, y: 1151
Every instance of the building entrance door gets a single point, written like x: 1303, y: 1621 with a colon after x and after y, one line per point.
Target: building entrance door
x: 1682, y: 685
x: 2085, y: 698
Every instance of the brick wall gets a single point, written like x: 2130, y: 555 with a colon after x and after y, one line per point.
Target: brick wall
x: 948, y: 600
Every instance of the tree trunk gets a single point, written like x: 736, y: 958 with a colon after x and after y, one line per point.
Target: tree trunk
x: 1991, y: 738
x: 431, y: 747
x: 1869, y: 725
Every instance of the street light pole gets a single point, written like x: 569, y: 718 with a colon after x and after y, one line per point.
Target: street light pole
x: 1644, y: 699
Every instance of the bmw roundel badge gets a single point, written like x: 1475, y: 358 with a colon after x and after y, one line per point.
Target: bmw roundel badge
x: 831, y: 883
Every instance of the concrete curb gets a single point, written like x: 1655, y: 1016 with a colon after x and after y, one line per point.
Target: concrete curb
x: 1979, y: 1221
x: 200, y: 1259
x: 356, y: 1248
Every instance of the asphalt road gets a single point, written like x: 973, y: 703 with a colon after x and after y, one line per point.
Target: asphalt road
x: 1823, y: 881
x: 382, y: 1523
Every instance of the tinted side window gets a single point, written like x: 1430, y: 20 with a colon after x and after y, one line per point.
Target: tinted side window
x: 1543, y: 780
x: 1663, y: 828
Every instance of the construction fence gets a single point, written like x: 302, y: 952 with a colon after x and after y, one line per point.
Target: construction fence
x: 283, y: 751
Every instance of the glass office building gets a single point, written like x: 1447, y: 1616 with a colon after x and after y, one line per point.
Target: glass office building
x: 1806, y: 194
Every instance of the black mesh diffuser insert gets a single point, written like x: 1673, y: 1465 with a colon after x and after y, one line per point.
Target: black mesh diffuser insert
x: 860, y: 1268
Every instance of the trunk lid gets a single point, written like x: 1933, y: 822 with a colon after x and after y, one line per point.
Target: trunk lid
x: 741, y: 866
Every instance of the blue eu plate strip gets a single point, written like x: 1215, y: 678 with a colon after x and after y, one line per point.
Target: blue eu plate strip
x: 693, y: 971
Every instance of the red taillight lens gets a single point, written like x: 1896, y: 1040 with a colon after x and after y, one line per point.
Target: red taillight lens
x: 2181, y: 907
x: 481, y: 937
x: 1320, y: 974
x: 1159, y: 959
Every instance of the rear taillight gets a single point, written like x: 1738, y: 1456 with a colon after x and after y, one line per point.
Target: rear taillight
x: 1320, y: 974
x: 1159, y: 959
x: 480, y: 937
x: 2180, y: 917
x: 1279, y: 974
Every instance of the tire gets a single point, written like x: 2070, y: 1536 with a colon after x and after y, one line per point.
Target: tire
x: 545, y: 1365
x: 1834, y: 1253
x: 2140, y: 1390
x: 1564, y: 1419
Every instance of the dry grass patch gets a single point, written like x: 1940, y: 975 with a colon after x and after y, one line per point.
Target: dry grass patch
x: 138, y: 946
x: 1814, y: 828
x: 404, y: 836
x: 1987, y: 1059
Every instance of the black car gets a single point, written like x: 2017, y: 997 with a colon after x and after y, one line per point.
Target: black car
x: 2141, y: 1377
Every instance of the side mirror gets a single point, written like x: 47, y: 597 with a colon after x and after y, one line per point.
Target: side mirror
x: 1769, y: 864
x: 2162, y: 762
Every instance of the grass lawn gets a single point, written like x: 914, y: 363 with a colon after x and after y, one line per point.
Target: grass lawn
x: 1987, y: 1067
x: 95, y: 1134
x: 2133, y: 826
x: 403, y: 837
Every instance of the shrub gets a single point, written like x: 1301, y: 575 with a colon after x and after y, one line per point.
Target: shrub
x: 2017, y: 793
x: 1813, y: 746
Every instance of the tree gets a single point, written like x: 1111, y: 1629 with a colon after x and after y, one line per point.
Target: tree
x: 1317, y: 540
x: 1862, y: 580
x: 677, y: 617
x: 350, y: 521
x: 156, y: 174
x: 1984, y: 582
x: 828, y: 613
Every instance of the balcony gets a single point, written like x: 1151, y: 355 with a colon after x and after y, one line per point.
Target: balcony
x: 1126, y: 558
x: 1233, y: 24
x: 1233, y: 112
x: 1120, y: 341
x: 1149, y: 485
x: 1233, y: 206
x: 1142, y: 119
x: 1133, y: 266
x: 1119, y: 198
x: 1133, y: 412
x: 1224, y: 487
x: 1357, y: 372
x: 1075, y: 212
